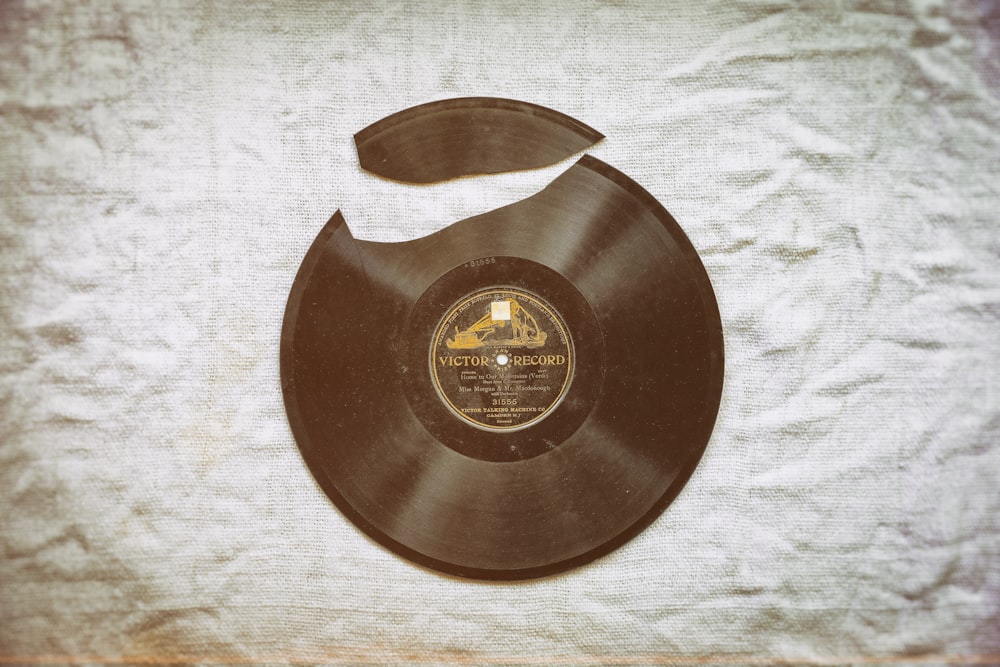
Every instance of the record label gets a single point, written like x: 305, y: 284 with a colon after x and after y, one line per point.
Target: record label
x: 501, y: 359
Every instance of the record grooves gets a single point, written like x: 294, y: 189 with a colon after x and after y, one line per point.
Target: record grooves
x: 470, y: 135
x: 515, y: 395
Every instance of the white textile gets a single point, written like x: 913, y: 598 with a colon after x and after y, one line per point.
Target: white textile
x: 165, y: 165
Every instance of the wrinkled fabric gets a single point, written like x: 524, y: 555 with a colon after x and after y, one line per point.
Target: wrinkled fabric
x: 165, y: 166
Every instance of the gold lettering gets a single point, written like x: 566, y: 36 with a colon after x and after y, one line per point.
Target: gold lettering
x: 464, y: 361
x: 515, y: 360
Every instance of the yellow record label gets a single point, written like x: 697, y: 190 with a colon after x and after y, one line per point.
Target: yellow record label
x: 501, y: 359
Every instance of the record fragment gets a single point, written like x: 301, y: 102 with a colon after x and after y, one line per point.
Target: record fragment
x: 469, y: 135
x: 515, y: 395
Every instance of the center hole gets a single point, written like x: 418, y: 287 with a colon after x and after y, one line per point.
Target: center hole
x: 502, y: 359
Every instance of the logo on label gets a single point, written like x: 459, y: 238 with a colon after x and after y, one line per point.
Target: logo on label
x: 507, y: 324
x: 521, y: 361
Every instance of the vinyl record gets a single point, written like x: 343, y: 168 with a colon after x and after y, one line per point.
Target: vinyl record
x: 515, y: 395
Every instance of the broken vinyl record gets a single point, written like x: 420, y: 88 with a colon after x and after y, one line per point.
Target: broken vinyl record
x: 516, y: 394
